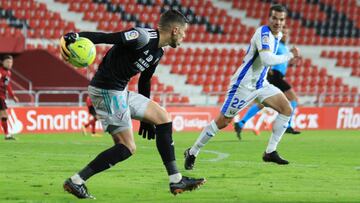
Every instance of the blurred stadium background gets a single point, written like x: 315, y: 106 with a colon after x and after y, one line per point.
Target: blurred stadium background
x: 196, y: 74
x: 327, y: 32
x: 190, y: 82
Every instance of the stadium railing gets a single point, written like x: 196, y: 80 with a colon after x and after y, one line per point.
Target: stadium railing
x: 167, y: 100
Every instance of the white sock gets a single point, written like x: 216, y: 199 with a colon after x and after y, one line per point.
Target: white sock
x: 175, y: 178
x: 208, y: 132
x: 8, y: 135
x: 236, y: 118
x: 77, y: 179
x: 279, y: 126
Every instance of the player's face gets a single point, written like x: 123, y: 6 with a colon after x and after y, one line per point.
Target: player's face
x: 8, y: 63
x: 277, y: 21
x: 178, y: 35
x: 285, y: 36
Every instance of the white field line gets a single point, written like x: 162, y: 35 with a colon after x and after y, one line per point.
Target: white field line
x: 220, y: 155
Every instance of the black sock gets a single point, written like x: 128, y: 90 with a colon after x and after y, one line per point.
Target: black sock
x: 164, y: 144
x: 105, y: 160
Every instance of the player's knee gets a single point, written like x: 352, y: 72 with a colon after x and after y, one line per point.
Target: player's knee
x: 132, y: 148
x: 164, y: 117
x: 287, y: 110
x: 222, y: 122
x: 130, y: 145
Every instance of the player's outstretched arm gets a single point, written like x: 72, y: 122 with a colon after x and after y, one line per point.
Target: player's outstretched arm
x: 103, y: 38
x: 269, y: 59
x: 135, y: 38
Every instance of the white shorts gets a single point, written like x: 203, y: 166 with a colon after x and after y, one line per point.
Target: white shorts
x: 115, y: 109
x: 238, y: 100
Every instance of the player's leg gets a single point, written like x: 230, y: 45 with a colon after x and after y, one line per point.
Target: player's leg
x: 233, y: 104
x: 110, y: 109
x: 252, y: 111
x: 278, y: 81
x: 291, y: 96
x: 259, y: 123
x: 4, y: 118
x: 274, y: 98
x: 149, y: 111
x: 124, y: 146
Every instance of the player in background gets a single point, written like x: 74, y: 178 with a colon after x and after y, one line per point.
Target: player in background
x: 5, y: 74
x: 276, y: 76
x: 133, y: 51
x: 248, y: 83
x: 92, y: 118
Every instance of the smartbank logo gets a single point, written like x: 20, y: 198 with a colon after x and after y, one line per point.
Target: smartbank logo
x: 190, y: 120
x: 74, y: 120
x: 15, y: 125
x: 34, y: 121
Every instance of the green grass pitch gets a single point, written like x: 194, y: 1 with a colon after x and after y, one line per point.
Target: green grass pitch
x: 324, y: 167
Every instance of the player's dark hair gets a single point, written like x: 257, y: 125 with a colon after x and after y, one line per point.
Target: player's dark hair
x: 172, y: 16
x: 7, y: 57
x: 277, y: 8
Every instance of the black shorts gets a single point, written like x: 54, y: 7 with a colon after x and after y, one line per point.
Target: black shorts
x: 277, y: 79
x: 3, y: 104
x: 92, y: 111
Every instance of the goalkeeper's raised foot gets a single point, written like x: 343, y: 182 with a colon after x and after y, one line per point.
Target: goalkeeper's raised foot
x: 186, y: 184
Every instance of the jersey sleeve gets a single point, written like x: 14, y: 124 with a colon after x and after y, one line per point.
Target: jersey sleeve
x: 137, y: 38
x: 134, y: 38
x: 144, y: 84
x: 262, y: 39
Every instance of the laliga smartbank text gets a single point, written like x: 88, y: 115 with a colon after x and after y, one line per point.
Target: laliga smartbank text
x: 74, y: 120
x: 190, y: 120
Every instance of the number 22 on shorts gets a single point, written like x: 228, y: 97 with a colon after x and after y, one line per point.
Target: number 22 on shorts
x: 237, y: 104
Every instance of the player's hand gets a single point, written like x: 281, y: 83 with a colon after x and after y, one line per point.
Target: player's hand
x: 65, y: 40
x: 295, y: 51
x: 295, y: 61
x: 147, y: 130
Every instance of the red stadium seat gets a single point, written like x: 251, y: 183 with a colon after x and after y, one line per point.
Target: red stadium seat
x: 338, y: 82
x: 345, y: 99
x: 323, y: 72
x: 206, y: 88
x: 169, y: 89
x: 185, y: 100
x: 324, y: 53
x: 328, y: 100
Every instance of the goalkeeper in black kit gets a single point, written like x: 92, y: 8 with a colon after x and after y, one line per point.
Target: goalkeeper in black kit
x: 134, y: 50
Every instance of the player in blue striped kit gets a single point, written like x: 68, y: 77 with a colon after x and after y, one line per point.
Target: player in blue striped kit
x: 276, y: 77
x: 249, y: 83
